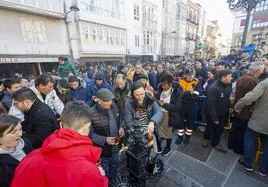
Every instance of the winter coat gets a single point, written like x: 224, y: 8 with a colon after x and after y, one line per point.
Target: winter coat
x: 39, y: 123
x: 6, y: 100
x: 82, y: 94
x: 153, y: 79
x: 154, y: 112
x: 102, y: 126
x: 259, y: 95
x: 218, y: 102
x: 244, y: 84
x: 8, y: 164
x: 52, y: 100
x: 65, y: 68
x: 109, y: 78
x: 188, y: 96
x: 174, y: 106
x: 65, y: 159
x: 93, y: 88
x: 121, y: 96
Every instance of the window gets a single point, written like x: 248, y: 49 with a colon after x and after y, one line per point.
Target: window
x: 112, y: 37
x: 33, y: 31
x: 117, y: 37
x: 122, y: 37
x: 238, y: 40
x: 137, y: 41
x: 93, y: 33
x: 262, y: 6
x: 136, y: 12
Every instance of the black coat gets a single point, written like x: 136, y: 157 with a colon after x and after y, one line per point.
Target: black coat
x: 174, y: 106
x: 8, y: 165
x: 218, y: 102
x: 39, y: 123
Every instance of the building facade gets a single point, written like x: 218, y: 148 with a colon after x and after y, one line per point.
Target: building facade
x: 192, y: 26
x: 258, y: 27
x: 212, y: 41
x: 33, y: 35
x: 98, y: 31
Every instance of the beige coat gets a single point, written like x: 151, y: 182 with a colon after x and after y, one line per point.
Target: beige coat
x: 259, y: 118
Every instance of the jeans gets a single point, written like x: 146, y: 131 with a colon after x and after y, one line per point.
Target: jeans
x: 250, y: 149
x: 110, y: 164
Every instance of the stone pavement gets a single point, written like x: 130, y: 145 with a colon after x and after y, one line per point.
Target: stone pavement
x: 195, y: 166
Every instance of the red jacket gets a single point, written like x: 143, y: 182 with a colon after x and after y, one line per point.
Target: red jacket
x: 66, y: 159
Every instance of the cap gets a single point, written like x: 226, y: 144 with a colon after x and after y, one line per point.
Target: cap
x: 104, y: 94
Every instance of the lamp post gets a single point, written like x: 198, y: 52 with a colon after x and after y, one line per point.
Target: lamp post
x: 249, y: 5
x: 75, y: 9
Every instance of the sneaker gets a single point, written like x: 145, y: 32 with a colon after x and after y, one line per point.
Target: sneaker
x: 262, y: 174
x: 248, y: 169
x: 242, y: 163
x: 166, y: 151
x: 205, y: 143
x: 158, y: 151
x: 179, y: 140
x: 220, y: 149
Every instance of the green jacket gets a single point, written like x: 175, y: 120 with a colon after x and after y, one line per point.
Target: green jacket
x: 65, y: 68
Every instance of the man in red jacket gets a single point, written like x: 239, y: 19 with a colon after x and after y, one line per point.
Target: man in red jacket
x: 67, y: 157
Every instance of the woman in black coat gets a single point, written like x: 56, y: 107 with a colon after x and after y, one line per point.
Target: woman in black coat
x: 169, y: 97
x: 12, y: 148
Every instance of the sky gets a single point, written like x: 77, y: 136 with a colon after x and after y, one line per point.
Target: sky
x: 218, y: 10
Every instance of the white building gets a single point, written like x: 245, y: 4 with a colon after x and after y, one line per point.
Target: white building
x: 33, y: 34
x: 238, y: 27
x: 99, y: 31
x: 180, y: 46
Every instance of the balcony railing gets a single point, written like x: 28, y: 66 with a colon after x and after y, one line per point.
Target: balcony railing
x: 149, y: 24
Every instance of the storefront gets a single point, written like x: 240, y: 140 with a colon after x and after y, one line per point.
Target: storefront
x: 26, y: 66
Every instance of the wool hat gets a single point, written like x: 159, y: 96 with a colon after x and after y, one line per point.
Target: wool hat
x: 104, y: 94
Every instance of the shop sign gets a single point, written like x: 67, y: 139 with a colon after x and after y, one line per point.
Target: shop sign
x: 26, y: 60
x: 8, y: 60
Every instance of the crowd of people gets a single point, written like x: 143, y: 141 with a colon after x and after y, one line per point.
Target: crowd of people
x: 67, y: 128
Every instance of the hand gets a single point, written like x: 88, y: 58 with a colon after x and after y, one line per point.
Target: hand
x: 216, y: 122
x: 238, y: 110
x: 101, y: 171
x: 161, y: 103
x: 110, y: 140
x: 121, y: 132
x: 150, y: 128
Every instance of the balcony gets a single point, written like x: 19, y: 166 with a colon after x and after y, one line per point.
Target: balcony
x: 190, y: 36
x: 192, y: 21
x: 50, y: 8
x: 150, y: 24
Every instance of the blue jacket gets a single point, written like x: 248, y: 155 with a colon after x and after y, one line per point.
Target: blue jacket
x: 82, y: 94
x: 94, y: 87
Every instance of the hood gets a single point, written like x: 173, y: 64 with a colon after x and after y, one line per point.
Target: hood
x: 67, y: 144
x: 13, y: 150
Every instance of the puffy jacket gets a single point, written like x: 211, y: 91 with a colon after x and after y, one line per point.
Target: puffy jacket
x: 218, y: 102
x: 104, y: 123
x: 65, y: 68
x: 82, y: 94
x: 52, y: 100
x: 65, y: 159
